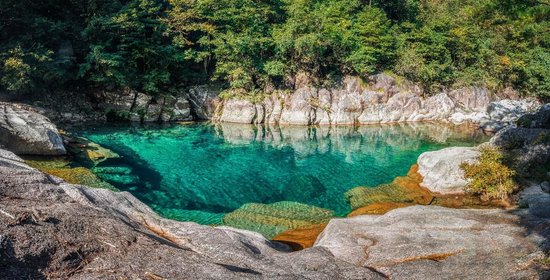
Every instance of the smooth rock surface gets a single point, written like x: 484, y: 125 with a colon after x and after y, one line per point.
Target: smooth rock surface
x: 441, y: 170
x: 26, y: 132
x: 429, y: 242
x: 50, y: 229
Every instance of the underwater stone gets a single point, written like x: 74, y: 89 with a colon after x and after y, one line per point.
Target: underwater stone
x: 402, y: 190
x: 272, y: 219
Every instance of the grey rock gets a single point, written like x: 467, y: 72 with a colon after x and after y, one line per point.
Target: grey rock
x: 517, y: 137
x: 299, y: 109
x: 471, y: 99
x: 27, y: 132
x: 239, y: 111
x: 204, y: 100
x: 154, y: 111
x: 119, y: 101
x: 182, y: 109
x: 545, y: 187
x: 537, y: 200
x: 540, y: 119
x: 379, y: 99
x: 85, y: 233
x: 508, y: 111
x: 441, y: 169
x: 427, y: 242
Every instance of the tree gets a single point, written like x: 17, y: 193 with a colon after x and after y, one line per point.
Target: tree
x: 130, y: 48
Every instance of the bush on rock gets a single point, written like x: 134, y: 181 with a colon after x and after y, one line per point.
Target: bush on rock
x: 489, y: 177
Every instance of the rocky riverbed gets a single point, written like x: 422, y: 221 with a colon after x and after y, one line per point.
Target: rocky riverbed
x: 56, y: 230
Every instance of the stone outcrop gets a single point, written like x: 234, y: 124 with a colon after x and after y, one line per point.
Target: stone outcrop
x: 382, y: 100
x: 135, y: 106
x: 25, y: 131
x: 428, y: 242
x: 441, y: 170
x: 204, y: 101
x: 528, y: 143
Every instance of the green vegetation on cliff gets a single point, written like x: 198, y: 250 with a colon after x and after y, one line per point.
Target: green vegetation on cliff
x: 158, y: 46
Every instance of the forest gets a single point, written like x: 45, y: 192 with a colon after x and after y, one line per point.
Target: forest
x: 248, y: 46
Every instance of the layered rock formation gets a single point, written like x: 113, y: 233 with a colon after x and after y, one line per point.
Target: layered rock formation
x: 379, y: 99
x: 382, y: 100
x: 25, y: 131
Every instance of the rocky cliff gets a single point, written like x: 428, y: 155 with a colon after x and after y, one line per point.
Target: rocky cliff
x: 379, y: 99
x: 382, y: 99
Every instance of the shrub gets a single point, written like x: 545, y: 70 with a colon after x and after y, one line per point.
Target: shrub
x: 489, y: 177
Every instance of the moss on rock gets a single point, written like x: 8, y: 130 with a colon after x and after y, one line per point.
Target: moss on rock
x: 404, y: 189
x: 272, y: 219
x: 60, y: 167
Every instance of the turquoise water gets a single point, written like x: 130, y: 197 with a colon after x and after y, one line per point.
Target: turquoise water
x: 199, y: 172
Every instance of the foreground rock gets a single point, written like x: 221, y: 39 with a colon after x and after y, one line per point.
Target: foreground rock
x: 50, y: 229
x: 441, y: 170
x: 427, y: 242
x: 24, y: 131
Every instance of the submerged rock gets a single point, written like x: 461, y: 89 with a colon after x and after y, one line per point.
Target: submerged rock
x: 24, y: 131
x: 401, y: 192
x: 272, y: 219
x: 301, y: 238
x: 441, y: 170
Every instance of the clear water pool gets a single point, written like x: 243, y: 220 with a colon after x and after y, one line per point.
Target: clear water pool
x: 199, y: 172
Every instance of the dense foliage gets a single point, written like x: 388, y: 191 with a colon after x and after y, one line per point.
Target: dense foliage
x: 158, y: 46
x: 489, y: 177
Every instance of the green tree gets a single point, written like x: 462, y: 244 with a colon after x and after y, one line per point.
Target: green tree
x: 130, y: 48
x: 338, y: 36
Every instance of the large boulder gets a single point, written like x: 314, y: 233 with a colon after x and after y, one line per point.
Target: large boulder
x: 182, y: 109
x: 298, y: 108
x: 23, y: 131
x: 441, y: 170
x: 540, y: 119
x: 470, y: 99
x: 429, y: 242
